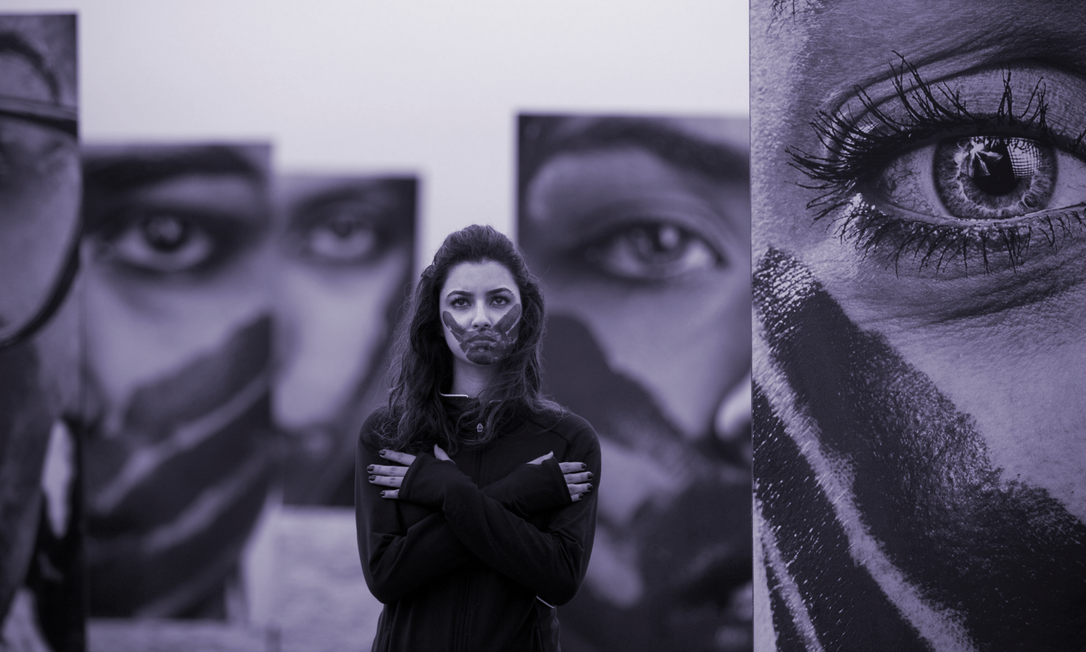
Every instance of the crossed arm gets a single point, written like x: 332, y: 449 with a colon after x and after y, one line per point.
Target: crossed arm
x: 576, y: 475
x: 445, y: 522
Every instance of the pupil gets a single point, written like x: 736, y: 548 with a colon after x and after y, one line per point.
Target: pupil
x: 165, y: 233
x: 992, y: 170
x: 994, y: 177
x: 342, y: 226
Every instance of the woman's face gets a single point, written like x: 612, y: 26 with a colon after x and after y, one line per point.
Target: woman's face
x: 480, y: 312
x: 919, y: 188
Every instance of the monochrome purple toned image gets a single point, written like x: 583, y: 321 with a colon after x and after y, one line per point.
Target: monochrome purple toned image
x: 343, y: 258
x: 919, y: 185
x: 639, y: 229
x: 180, y: 452
x: 40, y: 580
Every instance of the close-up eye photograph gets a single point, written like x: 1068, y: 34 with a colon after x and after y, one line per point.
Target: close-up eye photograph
x: 711, y: 325
x: 918, y: 291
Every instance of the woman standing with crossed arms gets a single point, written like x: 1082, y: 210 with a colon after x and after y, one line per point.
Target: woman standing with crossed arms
x: 474, y: 497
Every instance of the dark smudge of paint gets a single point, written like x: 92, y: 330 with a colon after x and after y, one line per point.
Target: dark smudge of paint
x: 490, y: 345
x: 1005, y: 556
x: 813, y: 544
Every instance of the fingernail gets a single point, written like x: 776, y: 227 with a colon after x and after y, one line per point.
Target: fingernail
x: 589, y: 488
x: 384, y: 451
x: 370, y: 468
x: 384, y: 494
x: 584, y: 466
x: 373, y: 478
x: 590, y: 475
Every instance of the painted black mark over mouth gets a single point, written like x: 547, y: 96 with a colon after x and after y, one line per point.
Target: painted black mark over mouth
x: 1004, y: 557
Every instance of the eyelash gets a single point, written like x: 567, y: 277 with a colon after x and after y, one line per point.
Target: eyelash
x: 932, y: 113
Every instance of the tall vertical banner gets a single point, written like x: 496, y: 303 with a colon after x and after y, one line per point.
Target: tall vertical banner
x: 41, y: 603
x: 919, y: 184
x: 638, y: 228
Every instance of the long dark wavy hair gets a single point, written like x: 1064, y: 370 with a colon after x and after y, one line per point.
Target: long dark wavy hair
x: 422, y: 365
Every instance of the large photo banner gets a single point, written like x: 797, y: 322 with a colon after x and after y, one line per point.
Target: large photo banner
x: 638, y: 227
x: 40, y: 579
x: 918, y: 189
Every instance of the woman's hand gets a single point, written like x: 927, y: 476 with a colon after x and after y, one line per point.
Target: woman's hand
x: 392, y: 476
x: 577, y: 479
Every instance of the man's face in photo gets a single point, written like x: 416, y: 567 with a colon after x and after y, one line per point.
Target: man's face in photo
x: 39, y: 224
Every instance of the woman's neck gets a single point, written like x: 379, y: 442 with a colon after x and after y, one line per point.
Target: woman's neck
x: 471, y: 380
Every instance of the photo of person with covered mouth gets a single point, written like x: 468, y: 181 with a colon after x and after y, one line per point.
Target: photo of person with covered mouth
x: 343, y: 258
x: 919, y: 192
x: 40, y: 600
x: 180, y: 453
x: 638, y: 228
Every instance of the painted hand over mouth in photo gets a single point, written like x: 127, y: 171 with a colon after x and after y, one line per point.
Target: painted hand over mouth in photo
x: 486, y: 346
x: 885, y: 522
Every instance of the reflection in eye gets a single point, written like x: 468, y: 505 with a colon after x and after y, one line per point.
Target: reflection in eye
x: 652, y: 251
x: 980, y: 186
x: 338, y: 233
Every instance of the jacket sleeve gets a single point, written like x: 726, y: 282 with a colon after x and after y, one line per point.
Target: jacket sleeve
x: 551, y: 561
x: 531, y: 488
x: 397, y: 559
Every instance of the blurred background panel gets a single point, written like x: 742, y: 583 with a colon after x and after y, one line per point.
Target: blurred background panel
x: 639, y: 228
x: 180, y: 453
x: 41, y: 605
x: 342, y: 264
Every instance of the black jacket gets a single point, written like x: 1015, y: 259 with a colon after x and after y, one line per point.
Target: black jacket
x: 475, y: 555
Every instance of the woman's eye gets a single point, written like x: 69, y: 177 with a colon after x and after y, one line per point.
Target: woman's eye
x: 655, y: 251
x: 340, y: 236
x: 162, y: 243
x: 500, y: 301
x: 983, y: 178
x: 459, y: 303
x: 338, y: 233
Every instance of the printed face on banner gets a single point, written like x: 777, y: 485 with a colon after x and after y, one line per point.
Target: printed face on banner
x: 39, y: 226
x: 639, y: 231
x: 343, y: 256
x: 178, y: 341
x: 919, y: 294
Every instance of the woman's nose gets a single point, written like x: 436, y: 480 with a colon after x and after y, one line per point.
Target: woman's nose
x: 481, y: 319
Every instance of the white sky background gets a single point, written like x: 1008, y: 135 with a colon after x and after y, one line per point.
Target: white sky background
x: 425, y: 86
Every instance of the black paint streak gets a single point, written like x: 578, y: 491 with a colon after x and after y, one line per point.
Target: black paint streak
x: 835, y: 589
x: 788, y: 637
x: 1005, y: 556
x: 489, y: 345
